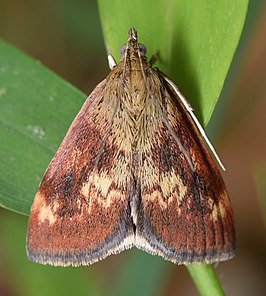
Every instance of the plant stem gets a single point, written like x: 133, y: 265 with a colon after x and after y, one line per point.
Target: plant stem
x: 205, y: 280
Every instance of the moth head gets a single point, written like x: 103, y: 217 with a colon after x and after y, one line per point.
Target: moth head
x: 139, y: 47
x: 133, y: 47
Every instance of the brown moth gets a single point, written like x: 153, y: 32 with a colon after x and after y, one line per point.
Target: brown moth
x: 132, y: 170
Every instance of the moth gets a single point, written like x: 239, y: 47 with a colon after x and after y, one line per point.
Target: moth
x: 133, y: 170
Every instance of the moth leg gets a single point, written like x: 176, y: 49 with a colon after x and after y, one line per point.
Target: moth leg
x: 111, y: 61
x: 154, y: 58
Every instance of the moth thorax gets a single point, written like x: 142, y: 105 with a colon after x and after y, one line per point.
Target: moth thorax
x: 136, y: 62
x: 137, y: 92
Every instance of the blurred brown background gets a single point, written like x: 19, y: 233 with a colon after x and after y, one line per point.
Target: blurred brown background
x: 47, y: 31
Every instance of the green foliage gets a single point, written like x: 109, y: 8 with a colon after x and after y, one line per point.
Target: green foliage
x: 36, y: 108
x: 196, y: 41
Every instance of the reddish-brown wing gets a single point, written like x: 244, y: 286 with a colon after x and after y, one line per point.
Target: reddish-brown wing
x: 80, y: 213
x: 185, y: 214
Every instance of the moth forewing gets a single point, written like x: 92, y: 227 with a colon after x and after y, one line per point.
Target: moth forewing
x: 195, y: 119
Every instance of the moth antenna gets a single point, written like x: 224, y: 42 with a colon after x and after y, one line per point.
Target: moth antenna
x: 196, y: 121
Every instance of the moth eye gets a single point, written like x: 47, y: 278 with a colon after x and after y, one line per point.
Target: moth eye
x: 123, y: 50
x: 142, y: 50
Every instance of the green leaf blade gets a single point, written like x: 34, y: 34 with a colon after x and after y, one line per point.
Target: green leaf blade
x: 36, y: 108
